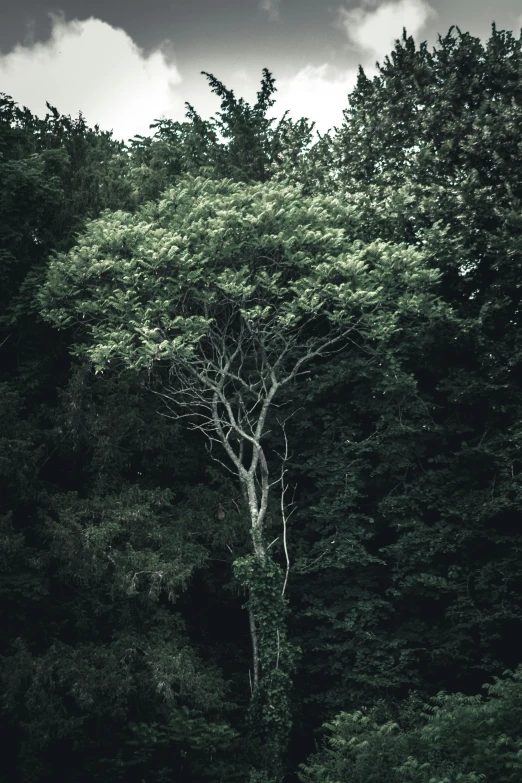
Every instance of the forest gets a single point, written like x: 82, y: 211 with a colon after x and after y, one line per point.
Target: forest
x: 260, y: 436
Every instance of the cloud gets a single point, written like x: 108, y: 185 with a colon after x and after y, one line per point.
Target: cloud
x: 271, y: 7
x: 97, y: 69
x: 374, y: 27
x: 322, y: 89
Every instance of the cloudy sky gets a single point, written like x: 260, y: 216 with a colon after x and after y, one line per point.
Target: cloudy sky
x: 124, y: 63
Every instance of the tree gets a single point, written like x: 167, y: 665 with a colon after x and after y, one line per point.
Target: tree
x: 413, y: 469
x: 252, y: 151
x: 228, y: 293
x: 92, y: 564
x: 433, y: 137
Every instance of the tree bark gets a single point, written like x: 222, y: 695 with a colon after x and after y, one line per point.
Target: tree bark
x: 255, y: 645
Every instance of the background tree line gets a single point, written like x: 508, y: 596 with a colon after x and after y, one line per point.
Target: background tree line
x: 126, y: 645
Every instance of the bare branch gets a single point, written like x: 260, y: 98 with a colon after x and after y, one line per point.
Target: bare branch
x: 216, y: 459
x: 283, y: 513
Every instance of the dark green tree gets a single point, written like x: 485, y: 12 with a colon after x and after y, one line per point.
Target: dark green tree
x: 99, y: 674
x: 408, y: 478
x: 252, y: 151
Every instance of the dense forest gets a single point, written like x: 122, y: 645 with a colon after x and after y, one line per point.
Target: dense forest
x: 260, y: 436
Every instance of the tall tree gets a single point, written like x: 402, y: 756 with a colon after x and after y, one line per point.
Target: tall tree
x: 227, y: 292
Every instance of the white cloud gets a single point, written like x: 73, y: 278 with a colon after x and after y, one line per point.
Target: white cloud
x: 317, y: 92
x: 271, y: 7
x: 374, y: 27
x: 98, y: 69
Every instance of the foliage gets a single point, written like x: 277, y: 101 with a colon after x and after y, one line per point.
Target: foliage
x: 375, y: 271
x: 89, y: 555
x: 250, y: 150
x: 269, y: 714
x: 165, y: 274
x: 452, y: 738
x: 407, y: 474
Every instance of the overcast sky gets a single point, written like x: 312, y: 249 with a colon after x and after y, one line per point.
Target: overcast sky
x: 124, y: 63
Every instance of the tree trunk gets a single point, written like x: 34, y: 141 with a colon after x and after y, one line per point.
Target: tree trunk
x: 255, y: 643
